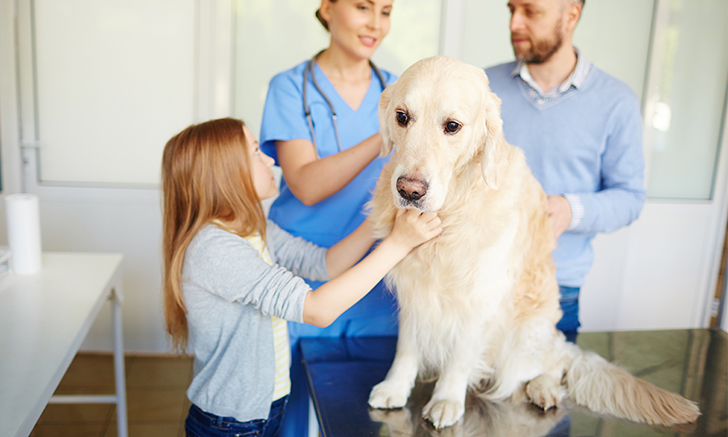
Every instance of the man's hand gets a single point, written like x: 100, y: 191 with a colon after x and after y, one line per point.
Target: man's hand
x: 559, y: 213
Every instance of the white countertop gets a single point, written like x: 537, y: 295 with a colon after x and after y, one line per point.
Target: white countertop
x: 43, y: 320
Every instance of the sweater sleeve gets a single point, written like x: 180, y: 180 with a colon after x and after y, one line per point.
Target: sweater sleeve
x: 303, y: 258
x: 230, y: 267
x: 621, y: 195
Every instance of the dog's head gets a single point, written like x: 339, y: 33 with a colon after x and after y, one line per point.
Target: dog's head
x: 439, y: 117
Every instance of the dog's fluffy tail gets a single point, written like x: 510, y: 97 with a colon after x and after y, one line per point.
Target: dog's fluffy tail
x: 605, y: 388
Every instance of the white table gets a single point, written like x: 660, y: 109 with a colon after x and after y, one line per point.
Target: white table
x: 43, y: 320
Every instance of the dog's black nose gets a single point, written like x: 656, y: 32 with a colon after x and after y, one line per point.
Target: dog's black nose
x: 411, y: 189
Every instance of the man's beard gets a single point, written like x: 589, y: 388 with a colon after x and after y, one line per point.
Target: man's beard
x: 541, y: 51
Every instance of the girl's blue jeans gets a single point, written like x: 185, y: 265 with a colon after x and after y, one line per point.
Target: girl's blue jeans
x: 569, y: 302
x: 202, y: 424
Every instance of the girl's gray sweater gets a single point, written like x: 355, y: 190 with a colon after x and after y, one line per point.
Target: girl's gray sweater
x: 230, y: 294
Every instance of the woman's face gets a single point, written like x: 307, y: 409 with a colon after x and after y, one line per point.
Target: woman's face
x: 261, y: 166
x: 357, y: 26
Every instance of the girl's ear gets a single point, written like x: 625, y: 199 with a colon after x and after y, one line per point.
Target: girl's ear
x: 492, y: 139
x: 385, y: 119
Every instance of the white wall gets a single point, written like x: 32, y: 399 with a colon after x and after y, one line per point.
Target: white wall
x: 114, y: 81
x: 8, y: 105
x: 130, y: 226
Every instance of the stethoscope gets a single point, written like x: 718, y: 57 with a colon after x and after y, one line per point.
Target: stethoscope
x: 307, y: 109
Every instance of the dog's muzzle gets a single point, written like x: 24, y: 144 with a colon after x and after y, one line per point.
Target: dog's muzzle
x: 411, y: 189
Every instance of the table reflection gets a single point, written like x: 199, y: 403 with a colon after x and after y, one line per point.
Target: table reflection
x: 692, y: 362
x: 481, y: 418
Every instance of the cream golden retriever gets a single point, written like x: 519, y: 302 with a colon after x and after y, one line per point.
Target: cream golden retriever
x: 479, y: 303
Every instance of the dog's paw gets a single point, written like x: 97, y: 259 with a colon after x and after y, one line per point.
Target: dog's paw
x: 389, y: 394
x: 443, y: 412
x: 545, y: 392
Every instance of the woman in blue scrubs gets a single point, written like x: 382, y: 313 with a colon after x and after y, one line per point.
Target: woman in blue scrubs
x: 330, y: 164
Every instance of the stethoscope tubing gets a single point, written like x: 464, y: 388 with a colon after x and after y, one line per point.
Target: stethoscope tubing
x: 309, y: 69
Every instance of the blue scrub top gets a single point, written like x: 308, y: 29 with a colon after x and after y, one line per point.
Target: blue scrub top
x: 332, y: 219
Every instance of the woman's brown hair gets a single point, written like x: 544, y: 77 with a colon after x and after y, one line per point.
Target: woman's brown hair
x: 320, y: 18
x: 206, y: 175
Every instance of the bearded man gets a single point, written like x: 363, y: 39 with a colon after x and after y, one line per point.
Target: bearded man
x: 581, y: 131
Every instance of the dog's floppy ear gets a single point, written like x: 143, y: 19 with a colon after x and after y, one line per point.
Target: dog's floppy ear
x: 385, y: 119
x: 493, y: 139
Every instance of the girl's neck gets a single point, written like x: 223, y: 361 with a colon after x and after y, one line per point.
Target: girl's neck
x: 340, y: 66
x: 229, y: 225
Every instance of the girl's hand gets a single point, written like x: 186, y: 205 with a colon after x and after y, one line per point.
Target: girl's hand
x: 413, y: 227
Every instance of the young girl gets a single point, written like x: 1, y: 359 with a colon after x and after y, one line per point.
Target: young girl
x: 231, y: 276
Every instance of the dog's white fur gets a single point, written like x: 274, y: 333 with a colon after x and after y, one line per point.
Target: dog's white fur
x: 479, y: 303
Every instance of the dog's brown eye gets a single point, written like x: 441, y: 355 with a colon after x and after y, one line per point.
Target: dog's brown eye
x: 452, y: 127
x: 402, y: 118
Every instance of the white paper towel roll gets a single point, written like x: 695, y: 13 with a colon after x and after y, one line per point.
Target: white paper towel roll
x: 23, y: 220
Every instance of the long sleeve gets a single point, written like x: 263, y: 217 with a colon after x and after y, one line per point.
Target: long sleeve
x: 296, y: 254
x: 230, y: 267
x: 621, y: 196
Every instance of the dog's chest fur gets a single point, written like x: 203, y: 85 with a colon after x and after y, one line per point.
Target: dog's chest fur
x: 460, y: 272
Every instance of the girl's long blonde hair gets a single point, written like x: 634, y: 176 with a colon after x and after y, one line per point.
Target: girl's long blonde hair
x: 206, y: 175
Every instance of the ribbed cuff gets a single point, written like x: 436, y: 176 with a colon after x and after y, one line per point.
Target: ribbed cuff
x: 577, y: 210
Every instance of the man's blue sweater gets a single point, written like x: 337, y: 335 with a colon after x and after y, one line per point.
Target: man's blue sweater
x: 586, y: 144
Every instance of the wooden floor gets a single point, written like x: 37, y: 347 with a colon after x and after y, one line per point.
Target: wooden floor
x: 156, y: 401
